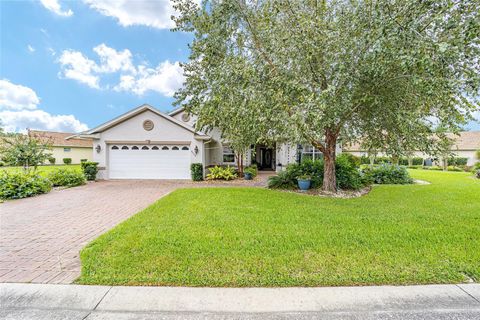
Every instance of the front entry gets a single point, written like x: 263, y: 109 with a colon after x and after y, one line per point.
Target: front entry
x: 266, y: 158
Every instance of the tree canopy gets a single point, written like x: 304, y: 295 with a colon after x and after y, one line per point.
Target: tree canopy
x: 382, y: 72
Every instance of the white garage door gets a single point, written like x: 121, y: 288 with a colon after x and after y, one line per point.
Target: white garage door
x: 149, y: 162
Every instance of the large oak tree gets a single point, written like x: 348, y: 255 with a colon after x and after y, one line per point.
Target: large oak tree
x: 384, y: 72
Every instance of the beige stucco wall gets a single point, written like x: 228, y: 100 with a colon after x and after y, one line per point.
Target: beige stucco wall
x: 132, y: 130
x: 75, y: 153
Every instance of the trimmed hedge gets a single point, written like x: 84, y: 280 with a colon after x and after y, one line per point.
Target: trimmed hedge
x: 387, y: 174
x: 196, y: 170
x: 52, y: 160
x: 66, y: 178
x: 90, y: 170
x: 20, y: 184
x: 67, y: 160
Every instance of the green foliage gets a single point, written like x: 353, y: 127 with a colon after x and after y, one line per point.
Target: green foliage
x: 477, y: 174
x: 454, y: 168
x: 90, y: 170
x: 364, y: 160
x: 387, y: 174
x: 196, y: 171
x: 221, y: 173
x: 347, y: 172
x: 380, y: 160
x: 66, y: 178
x: 251, y: 170
x: 324, y: 70
x: 24, y: 150
x: 304, y: 177
x: 477, y: 154
x: 83, y: 160
x: 417, y: 161
x: 457, y: 161
x: 67, y: 160
x: 21, y: 184
x: 283, y: 180
x: 52, y: 160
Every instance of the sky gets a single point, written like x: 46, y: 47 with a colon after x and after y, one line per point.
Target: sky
x: 72, y: 65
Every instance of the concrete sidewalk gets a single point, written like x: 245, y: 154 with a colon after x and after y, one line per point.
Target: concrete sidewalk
x: 48, y: 301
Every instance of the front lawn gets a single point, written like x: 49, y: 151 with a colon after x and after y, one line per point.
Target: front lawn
x: 398, y: 234
x: 45, y: 170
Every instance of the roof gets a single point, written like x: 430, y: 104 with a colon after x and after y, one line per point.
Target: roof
x: 135, y: 112
x: 176, y: 111
x: 465, y: 140
x: 59, y: 139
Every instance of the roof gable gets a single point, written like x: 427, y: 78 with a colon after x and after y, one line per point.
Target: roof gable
x: 132, y: 113
x: 60, y: 139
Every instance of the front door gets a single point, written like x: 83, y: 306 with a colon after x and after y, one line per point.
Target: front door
x: 266, y: 158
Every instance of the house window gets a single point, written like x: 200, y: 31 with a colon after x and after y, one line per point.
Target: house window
x: 184, y: 148
x: 145, y: 148
x: 134, y: 148
x: 154, y: 148
x: 114, y: 148
x: 67, y: 149
x: 311, y: 153
x: 175, y: 148
x: 228, y: 155
x: 164, y: 148
x: 124, y: 148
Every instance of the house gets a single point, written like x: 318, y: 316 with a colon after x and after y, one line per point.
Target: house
x: 65, y: 145
x: 146, y: 143
x: 464, y: 145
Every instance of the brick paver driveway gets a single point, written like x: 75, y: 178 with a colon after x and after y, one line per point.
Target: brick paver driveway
x: 40, y: 237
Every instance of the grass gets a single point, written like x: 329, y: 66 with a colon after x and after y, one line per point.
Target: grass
x: 44, y: 170
x: 237, y: 237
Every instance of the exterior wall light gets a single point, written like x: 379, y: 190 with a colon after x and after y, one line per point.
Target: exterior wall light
x: 98, y: 148
x: 195, y: 150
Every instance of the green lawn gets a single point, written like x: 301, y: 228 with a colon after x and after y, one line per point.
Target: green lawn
x: 44, y: 170
x: 408, y: 234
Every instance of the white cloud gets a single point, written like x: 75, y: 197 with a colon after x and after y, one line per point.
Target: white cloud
x: 164, y: 79
x: 31, y: 49
x: 112, y: 60
x: 156, y: 14
x: 51, y: 51
x: 40, y: 120
x: 78, y: 67
x: 17, y: 97
x: 55, y: 7
x: 18, y: 111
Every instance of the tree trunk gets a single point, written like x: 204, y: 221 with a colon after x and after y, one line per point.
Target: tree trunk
x: 239, y: 164
x: 329, y: 177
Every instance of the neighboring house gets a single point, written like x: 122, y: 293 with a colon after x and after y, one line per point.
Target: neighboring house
x: 464, y: 145
x: 146, y: 143
x: 65, y: 145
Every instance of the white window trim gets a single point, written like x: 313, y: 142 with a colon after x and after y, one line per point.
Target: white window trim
x: 229, y: 153
x: 316, y: 153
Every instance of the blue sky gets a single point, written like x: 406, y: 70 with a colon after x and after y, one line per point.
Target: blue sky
x: 71, y: 65
x: 68, y: 65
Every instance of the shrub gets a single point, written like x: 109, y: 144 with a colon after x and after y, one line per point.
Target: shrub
x: 403, y: 161
x: 347, y: 172
x: 52, y: 160
x: 67, y: 160
x: 415, y: 167
x: 219, y: 173
x: 66, y: 178
x: 387, y: 174
x: 284, y: 180
x: 457, y: 161
x: 196, y: 171
x: 251, y: 170
x: 19, y: 184
x: 477, y: 174
x: 380, y: 160
x: 313, y: 168
x: 417, y: 161
x: 364, y: 160
x: 83, y: 160
x: 90, y: 170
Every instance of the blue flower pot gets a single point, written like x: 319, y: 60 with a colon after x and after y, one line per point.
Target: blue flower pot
x: 304, y: 185
x: 247, y: 176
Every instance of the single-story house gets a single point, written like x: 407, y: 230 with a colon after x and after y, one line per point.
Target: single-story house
x: 146, y: 143
x: 65, y: 145
x: 464, y: 145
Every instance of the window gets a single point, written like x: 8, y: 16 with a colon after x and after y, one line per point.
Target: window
x: 134, y: 148
x: 114, y: 148
x: 165, y: 148
x: 228, y: 155
x: 184, y: 148
x: 124, y: 148
x: 154, y: 148
x: 311, y: 153
x: 67, y: 149
x: 145, y: 148
x: 175, y: 148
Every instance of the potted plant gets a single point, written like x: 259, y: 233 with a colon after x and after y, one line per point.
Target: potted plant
x: 304, y: 182
x: 248, y: 173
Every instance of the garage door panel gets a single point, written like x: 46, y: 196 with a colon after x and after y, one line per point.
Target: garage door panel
x: 149, y: 164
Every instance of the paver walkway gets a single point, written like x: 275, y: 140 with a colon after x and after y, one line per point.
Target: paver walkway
x: 40, y: 237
